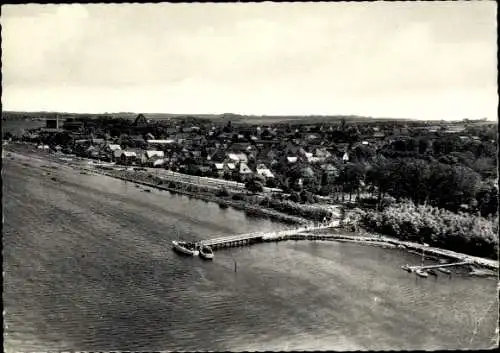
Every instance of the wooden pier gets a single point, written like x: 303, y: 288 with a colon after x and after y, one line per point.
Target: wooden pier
x: 413, y: 268
x: 257, y: 237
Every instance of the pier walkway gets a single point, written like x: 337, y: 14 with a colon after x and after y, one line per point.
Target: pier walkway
x: 257, y: 237
x: 439, y: 266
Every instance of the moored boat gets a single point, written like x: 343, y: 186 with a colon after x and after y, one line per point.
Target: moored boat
x: 407, y: 268
x: 185, y: 248
x: 444, y: 270
x: 481, y: 272
x: 421, y: 273
x: 206, y: 252
x: 432, y: 272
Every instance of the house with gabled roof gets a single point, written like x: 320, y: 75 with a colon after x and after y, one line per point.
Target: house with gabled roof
x: 292, y: 159
x: 113, y: 147
x: 262, y: 170
x: 231, y: 170
x: 128, y: 157
x: 244, y: 171
x: 237, y: 157
x: 218, y: 169
x: 93, y: 151
x: 219, y: 155
x: 149, y: 156
x: 322, y: 153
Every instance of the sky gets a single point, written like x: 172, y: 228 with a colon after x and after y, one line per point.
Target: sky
x: 417, y: 60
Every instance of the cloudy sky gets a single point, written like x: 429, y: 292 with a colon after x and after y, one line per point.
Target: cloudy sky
x: 423, y: 60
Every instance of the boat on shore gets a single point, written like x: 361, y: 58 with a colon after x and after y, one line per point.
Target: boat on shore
x: 206, y: 252
x: 421, y: 273
x: 185, y: 248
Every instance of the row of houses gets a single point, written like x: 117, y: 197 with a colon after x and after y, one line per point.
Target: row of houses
x: 222, y: 165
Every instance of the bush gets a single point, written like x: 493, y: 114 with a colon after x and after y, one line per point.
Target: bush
x: 255, y: 186
x: 305, y: 211
x: 223, y: 192
x: 306, y: 197
x: 271, y: 183
x: 372, y: 201
x: 295, y: 196
x: 238, y: 197
x: 387, y: 201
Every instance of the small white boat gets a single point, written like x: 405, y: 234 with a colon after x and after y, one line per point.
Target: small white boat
x: 407, y: 268
x: 206, y: 252
x: 185, y: 248
x: 481, y: 273
x: 421, y: 273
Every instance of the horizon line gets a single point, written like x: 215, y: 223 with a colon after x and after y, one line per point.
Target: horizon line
x: 251, y: 115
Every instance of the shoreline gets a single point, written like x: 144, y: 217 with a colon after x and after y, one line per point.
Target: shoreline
x: 332, y: 233
x: 239, y: 205
x: 339, y: 234
x: 212, y: 198
x: 430, y: 252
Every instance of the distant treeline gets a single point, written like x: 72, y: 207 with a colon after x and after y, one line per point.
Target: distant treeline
x: 235, y: 118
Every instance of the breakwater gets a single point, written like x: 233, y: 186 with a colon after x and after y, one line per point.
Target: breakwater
x: 430, y: 252
x: 381, y: 241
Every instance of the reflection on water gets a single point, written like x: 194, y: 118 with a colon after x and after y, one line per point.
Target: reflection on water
x: 88, y: 266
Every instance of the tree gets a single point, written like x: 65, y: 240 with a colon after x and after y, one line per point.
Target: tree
x: 363, y: 153
x: 228, y: 128
x: 353, y: 134
x: 423, y: 145
x: 306, y: 197
x: 8, y: 136
x: 223, y: 192
x: 271, y: 183
x: 451, y: 185
x: 295, y: 196
x: 487, y: 199
x: 349, y: 178
x: 257, y: 177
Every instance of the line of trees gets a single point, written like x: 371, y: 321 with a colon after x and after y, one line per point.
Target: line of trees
x: 435, y: 183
